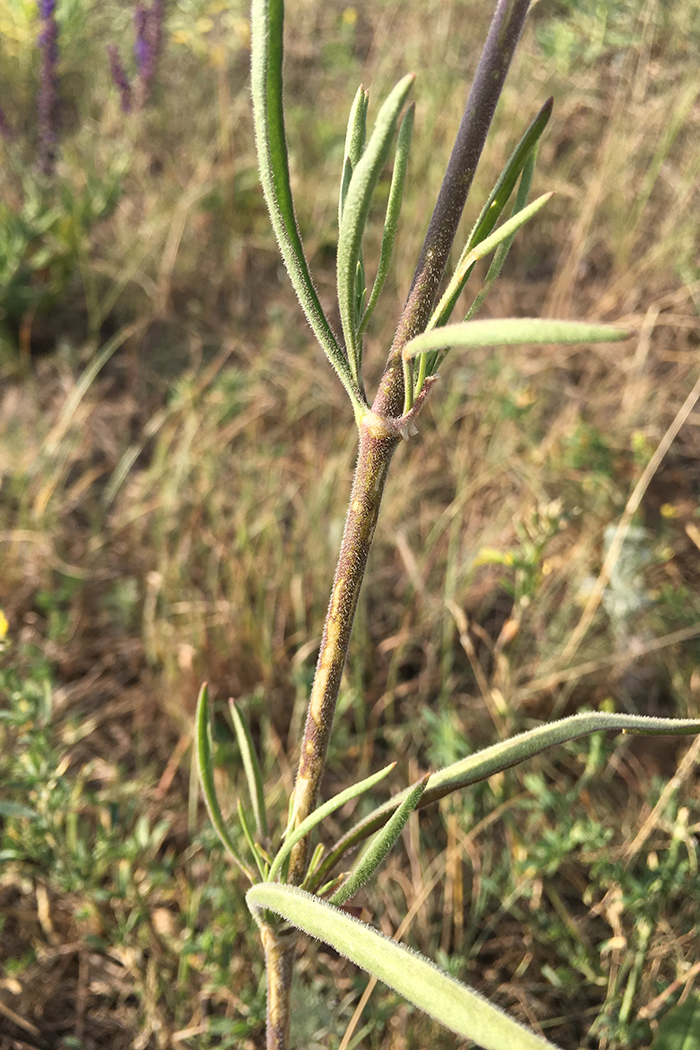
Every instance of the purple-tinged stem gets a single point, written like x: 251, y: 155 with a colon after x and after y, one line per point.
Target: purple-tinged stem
x: 506, y: 27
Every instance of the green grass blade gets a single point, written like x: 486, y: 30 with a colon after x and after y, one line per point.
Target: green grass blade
x: 393, y: 210
x: 408, y: 973
x: 357, y: 202
x: 354, y: 143
x: 498, y: 757
x: 321, y: 813
x: 205, y: 765
x: 251, y: 767
x: 380, y: 846
x: 267, y: 18
x: 511, y: 331
x: 505, y: 232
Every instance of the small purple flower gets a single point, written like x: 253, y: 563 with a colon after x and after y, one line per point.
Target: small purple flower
x: 119, y: 77
x: 48, y: 97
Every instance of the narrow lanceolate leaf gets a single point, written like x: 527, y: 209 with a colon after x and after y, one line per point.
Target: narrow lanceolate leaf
x: 206, y: 776
x: 498, y: 198
x: 495, y: 203
x: 251, y: 767
x: 362, y: 184
x: 489, y: 244
x: 510, y: 331
x: 503, y: 249
x: 408, y: 973
x: 354, y: 143
x: 503, y: 755
x: 267, y: 17
x: 380, y: 846
x: 430, y: 362
x: 321, y: 813
x: 393, y: 210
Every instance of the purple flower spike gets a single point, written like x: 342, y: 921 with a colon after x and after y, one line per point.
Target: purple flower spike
x: 48, y: 97
x: 119, y: 77
x: 148, y: 24
x: 141, y: 43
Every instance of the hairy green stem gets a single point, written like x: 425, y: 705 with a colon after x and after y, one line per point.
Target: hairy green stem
x: 378, y: 442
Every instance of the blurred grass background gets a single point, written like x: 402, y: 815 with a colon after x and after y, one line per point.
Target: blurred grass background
x: 175, y: 460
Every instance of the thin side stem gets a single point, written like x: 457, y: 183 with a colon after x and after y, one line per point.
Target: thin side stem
x: 279, y: 961
x: 377, y: 444
x: 486, y: 88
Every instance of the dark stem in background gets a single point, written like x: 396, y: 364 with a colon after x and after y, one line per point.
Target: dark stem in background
x: 48, y: 97
x: 503, y: 36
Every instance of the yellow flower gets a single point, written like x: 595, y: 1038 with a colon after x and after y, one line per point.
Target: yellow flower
x: 4, y: 625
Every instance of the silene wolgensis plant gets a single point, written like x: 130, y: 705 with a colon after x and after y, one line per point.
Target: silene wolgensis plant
x: 292, y: 886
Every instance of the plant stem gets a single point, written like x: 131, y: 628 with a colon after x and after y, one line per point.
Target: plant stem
x: 378, y: 440
x: 378, y: 437
x: 504, y: 33
x: 279, y: 959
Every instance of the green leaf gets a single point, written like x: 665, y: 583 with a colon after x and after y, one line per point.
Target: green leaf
x: 206, y: 776
x: 498, y: 198
x: 469, y: 257
x: 494, y: 206
x: 267, y: 19
x: 408, y: 973
x: 362, y: 184
x: 251, y: 767
x: 510, y: 331
x: 321, y: 813
x: 503, y: 249
x: 502, y: 755
x: 393, y: 210
x: 680, y: 1027
x: 382, y: 843
x: 354, y: 143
